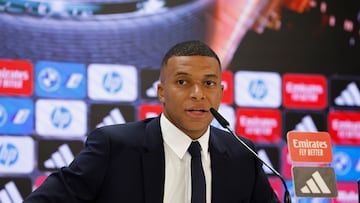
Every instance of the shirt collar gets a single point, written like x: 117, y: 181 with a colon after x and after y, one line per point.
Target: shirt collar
x: 178, y: 141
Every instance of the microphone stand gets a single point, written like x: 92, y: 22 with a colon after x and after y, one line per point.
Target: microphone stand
x: 225, y: 124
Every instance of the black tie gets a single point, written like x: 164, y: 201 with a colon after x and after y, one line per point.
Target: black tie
x: 198, y: 194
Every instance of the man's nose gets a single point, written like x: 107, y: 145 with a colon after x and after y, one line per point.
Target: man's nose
x: 197, y: 92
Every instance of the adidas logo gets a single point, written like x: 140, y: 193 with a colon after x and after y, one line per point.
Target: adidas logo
x: 349, y: 97
x: 306, y: 125
x: 10, y: 193
x: 152, y: 91
x: 114, y: 117
x: 62, y: 157
x: 314, y: 181
x: 315, y: 185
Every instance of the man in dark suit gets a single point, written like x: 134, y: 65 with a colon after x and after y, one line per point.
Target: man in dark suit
x: 147, y: 161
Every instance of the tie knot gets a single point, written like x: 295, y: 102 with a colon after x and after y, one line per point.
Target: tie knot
x: 195, y: 149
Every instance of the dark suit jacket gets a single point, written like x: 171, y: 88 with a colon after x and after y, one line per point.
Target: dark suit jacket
x: 125, y: 164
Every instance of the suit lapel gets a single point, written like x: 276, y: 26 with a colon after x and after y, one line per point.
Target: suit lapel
x: 153, y: 163
x: 219, y: 165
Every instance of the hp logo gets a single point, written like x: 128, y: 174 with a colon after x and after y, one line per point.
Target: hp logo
x: 112, y: 82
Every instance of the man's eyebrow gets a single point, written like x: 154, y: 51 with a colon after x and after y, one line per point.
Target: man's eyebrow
x: 212, y: 76
x: 182, y: 73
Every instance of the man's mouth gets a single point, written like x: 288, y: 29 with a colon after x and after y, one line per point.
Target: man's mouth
x: 197, y: 110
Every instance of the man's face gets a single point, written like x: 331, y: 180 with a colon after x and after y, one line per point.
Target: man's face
x: 189, y: 86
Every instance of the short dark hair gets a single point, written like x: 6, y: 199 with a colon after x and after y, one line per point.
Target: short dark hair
x: 190, y: 48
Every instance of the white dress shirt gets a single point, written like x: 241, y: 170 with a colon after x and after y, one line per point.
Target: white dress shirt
x: 177, y: 187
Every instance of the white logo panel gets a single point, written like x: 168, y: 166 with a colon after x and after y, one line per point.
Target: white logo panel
x: 16, y: 154
x: 61, y: 118
x: 112, y: 82
x: 257, y: 89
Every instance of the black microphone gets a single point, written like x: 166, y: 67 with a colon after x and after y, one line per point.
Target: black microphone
x: 225, y: 124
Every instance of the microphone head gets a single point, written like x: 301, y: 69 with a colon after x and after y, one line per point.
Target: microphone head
x: 223, y: 122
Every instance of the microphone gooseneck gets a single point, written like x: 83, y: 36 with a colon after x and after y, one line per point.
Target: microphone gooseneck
x: 225, y: 124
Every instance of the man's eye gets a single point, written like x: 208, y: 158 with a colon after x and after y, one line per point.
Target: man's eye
x: 181, y: 82
x: 210, y: 83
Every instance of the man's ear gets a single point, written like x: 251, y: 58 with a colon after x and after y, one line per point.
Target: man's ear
x: 160, y: 92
